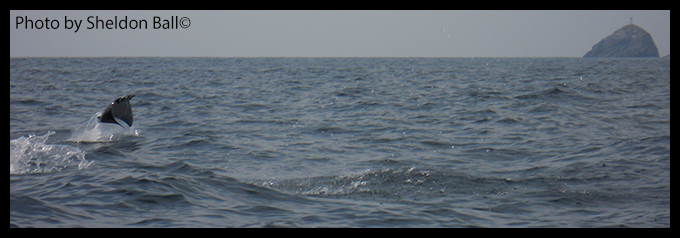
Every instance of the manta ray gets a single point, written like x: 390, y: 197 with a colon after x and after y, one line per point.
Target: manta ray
x: 118, y: 111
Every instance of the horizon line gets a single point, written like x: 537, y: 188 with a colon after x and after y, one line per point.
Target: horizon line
x: 315, y: 57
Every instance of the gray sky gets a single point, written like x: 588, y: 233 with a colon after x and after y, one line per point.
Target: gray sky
x: 332, y: 33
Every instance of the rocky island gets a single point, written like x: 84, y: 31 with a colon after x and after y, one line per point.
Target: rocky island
x: 629, y: 41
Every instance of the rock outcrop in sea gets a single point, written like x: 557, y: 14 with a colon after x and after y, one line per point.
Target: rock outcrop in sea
x: 629, y: 41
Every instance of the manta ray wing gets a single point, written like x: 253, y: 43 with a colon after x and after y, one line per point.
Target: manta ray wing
x: 118, y: 109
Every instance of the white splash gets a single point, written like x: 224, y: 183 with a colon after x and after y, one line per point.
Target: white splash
x: 101, y: 132
x: 32, y: 155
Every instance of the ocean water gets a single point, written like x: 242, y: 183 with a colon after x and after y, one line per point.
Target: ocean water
x: 341, y: 142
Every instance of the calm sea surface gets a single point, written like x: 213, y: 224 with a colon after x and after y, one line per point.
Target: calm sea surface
x: 341, y: 142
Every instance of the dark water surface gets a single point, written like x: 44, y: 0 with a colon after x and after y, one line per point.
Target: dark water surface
x: 341, y: 142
